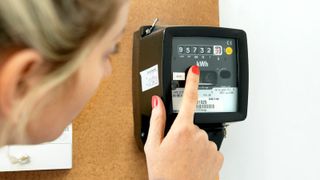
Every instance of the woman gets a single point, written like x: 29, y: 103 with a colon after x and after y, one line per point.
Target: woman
x: 54, y: 55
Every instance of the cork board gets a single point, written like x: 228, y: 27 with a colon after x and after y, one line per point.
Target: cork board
x: 103, y: 143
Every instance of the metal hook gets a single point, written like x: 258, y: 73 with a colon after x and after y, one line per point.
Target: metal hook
x: 149, y: 30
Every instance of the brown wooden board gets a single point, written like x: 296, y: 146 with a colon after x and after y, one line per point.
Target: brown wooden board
x: 103, y: 143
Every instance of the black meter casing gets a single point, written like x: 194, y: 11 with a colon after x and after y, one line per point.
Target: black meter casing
x: 158, y: 48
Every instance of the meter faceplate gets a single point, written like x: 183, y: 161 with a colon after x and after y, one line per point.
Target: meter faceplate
x: 216, y: 57
x: 214, y: 36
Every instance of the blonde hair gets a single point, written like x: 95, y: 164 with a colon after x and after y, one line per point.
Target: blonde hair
x: 60, y: 30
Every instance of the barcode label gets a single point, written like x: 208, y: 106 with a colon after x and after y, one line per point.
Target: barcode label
x: 205, y: 106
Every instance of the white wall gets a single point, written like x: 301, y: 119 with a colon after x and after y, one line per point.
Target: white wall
x: 280, y: 140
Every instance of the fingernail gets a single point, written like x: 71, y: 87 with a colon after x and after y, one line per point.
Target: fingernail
x: 195, y: 69
x: 154, y: 102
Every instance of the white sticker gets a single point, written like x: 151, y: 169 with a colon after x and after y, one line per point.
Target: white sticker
x: 149, y: 78
x: 222, y: 99
x: 217, y: 50
x: 178, y: 76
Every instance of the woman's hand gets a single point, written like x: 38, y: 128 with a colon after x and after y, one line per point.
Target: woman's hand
x: 185, y: 152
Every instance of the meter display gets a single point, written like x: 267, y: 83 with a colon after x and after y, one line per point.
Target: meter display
x: 217, y: 59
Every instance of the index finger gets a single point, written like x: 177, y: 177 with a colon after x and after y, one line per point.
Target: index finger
x: 190, y: 96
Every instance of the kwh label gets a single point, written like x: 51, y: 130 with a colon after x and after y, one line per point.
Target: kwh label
x: 202, y: 64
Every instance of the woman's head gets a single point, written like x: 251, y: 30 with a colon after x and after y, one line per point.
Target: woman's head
x: 52, y: 58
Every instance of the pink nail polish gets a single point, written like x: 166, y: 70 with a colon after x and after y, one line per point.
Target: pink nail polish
x: 154, y: 102
x: 195, y: 69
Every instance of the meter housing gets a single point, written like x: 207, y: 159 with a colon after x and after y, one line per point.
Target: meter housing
x: 221, y: 54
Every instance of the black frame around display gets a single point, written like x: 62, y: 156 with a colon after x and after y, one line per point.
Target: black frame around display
x: 242, y: 70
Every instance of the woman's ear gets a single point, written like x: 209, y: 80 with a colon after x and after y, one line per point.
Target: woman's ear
x: 19, y: 72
